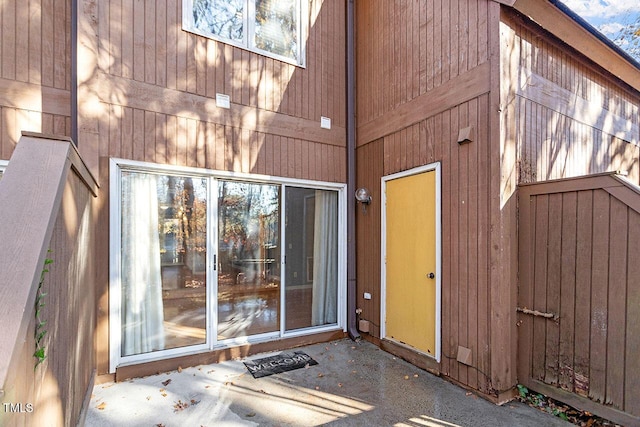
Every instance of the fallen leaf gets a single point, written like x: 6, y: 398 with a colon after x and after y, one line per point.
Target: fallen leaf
x: 406, y: 377
x: 468, y: 393
x: 167, y: 382
x: 179, y: 369
x: 339, y: 384
x: 101, y: 406
x: 148, y: 397
x: 179, y: 406
x: 320, y: 375
x: 415, y: 375
x: 251, y: 414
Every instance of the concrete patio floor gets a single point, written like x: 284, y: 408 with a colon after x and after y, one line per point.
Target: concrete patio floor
x: 354, y: 384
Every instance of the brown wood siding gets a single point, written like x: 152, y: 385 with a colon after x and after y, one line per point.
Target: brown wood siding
x: 569, y: 117
x: 168, y: 139
x: 422, y: 75
x: 58, y: 387
x: 35, y: 69
x: 413, y: 47
x: 157, y: 85
x: 152, y: 96
x: 370, y: 161
x: 465, y: 227
x: 578, y: 243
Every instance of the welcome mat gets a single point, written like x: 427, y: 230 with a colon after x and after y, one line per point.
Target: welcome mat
x: 279, y: 363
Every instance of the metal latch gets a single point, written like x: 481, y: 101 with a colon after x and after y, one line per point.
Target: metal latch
x: 538, y: 313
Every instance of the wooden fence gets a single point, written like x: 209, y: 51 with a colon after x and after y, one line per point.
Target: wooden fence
x: 46, y: 197
x: 579, y: 296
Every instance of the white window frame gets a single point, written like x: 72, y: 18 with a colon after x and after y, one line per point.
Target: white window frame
x: 249, y: 30
x: 3, y: 165
x: 212, y: 343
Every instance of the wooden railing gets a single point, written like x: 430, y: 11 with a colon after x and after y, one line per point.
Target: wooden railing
x: 579, y: 293
x: 47, y: 353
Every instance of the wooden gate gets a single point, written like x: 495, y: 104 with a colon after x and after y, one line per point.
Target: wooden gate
x: 579, y: 295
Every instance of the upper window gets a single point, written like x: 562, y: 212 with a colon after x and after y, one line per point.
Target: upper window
x: 271, y: 27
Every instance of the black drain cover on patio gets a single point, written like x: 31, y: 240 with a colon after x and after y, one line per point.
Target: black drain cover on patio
x: 282, y: 362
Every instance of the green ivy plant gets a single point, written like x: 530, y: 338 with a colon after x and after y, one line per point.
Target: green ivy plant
x: 40, y: 330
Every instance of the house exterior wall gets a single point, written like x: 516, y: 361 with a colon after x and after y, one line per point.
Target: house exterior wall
x: 154, y: 86
x: 35, y: 70
x: 567, y: 117
x: 147, y: 92
x: 425, y: 71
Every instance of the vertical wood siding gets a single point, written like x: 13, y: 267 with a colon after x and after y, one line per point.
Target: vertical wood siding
x: 465, y: 227
x: 70, y: 349
x: 407, y: 52
x: 563, y: 108
x: 156, y: 84
x: 34, y: 60
x: 160, y: 82
x: 412, y: 47
x: 58, y: 386
x: 578, y: 244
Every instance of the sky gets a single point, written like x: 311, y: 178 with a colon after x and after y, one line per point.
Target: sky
x: 619, y: 20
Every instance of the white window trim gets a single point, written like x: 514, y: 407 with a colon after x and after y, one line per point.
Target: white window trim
x: 115, y: 169
x: 303, y: 24
x: 3, y: 165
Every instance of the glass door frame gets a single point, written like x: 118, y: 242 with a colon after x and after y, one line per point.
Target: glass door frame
x: 116, y: 166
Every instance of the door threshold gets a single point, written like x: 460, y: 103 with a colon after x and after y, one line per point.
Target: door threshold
x: 411, y: 354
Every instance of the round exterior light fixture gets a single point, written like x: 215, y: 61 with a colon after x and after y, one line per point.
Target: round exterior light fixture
x: 363, y: 196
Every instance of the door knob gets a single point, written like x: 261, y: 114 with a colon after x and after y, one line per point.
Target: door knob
x: 431, y: 276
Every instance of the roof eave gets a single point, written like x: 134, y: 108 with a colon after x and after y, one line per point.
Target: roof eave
x: 563, y: 23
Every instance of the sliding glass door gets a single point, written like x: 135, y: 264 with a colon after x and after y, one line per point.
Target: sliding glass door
x: 248, y: 259
x: 201, y: 261
x: 163, y: 262
x: 311, y: 286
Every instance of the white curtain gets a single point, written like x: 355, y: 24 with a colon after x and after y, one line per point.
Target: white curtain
x: 142, y: 312
x: 325, y: 259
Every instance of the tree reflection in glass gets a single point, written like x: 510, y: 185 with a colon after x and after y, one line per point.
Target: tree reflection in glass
x: 248, y: 259
x: 163, y: 275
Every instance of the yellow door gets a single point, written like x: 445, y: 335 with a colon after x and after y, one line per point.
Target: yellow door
x: 411, y: 281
